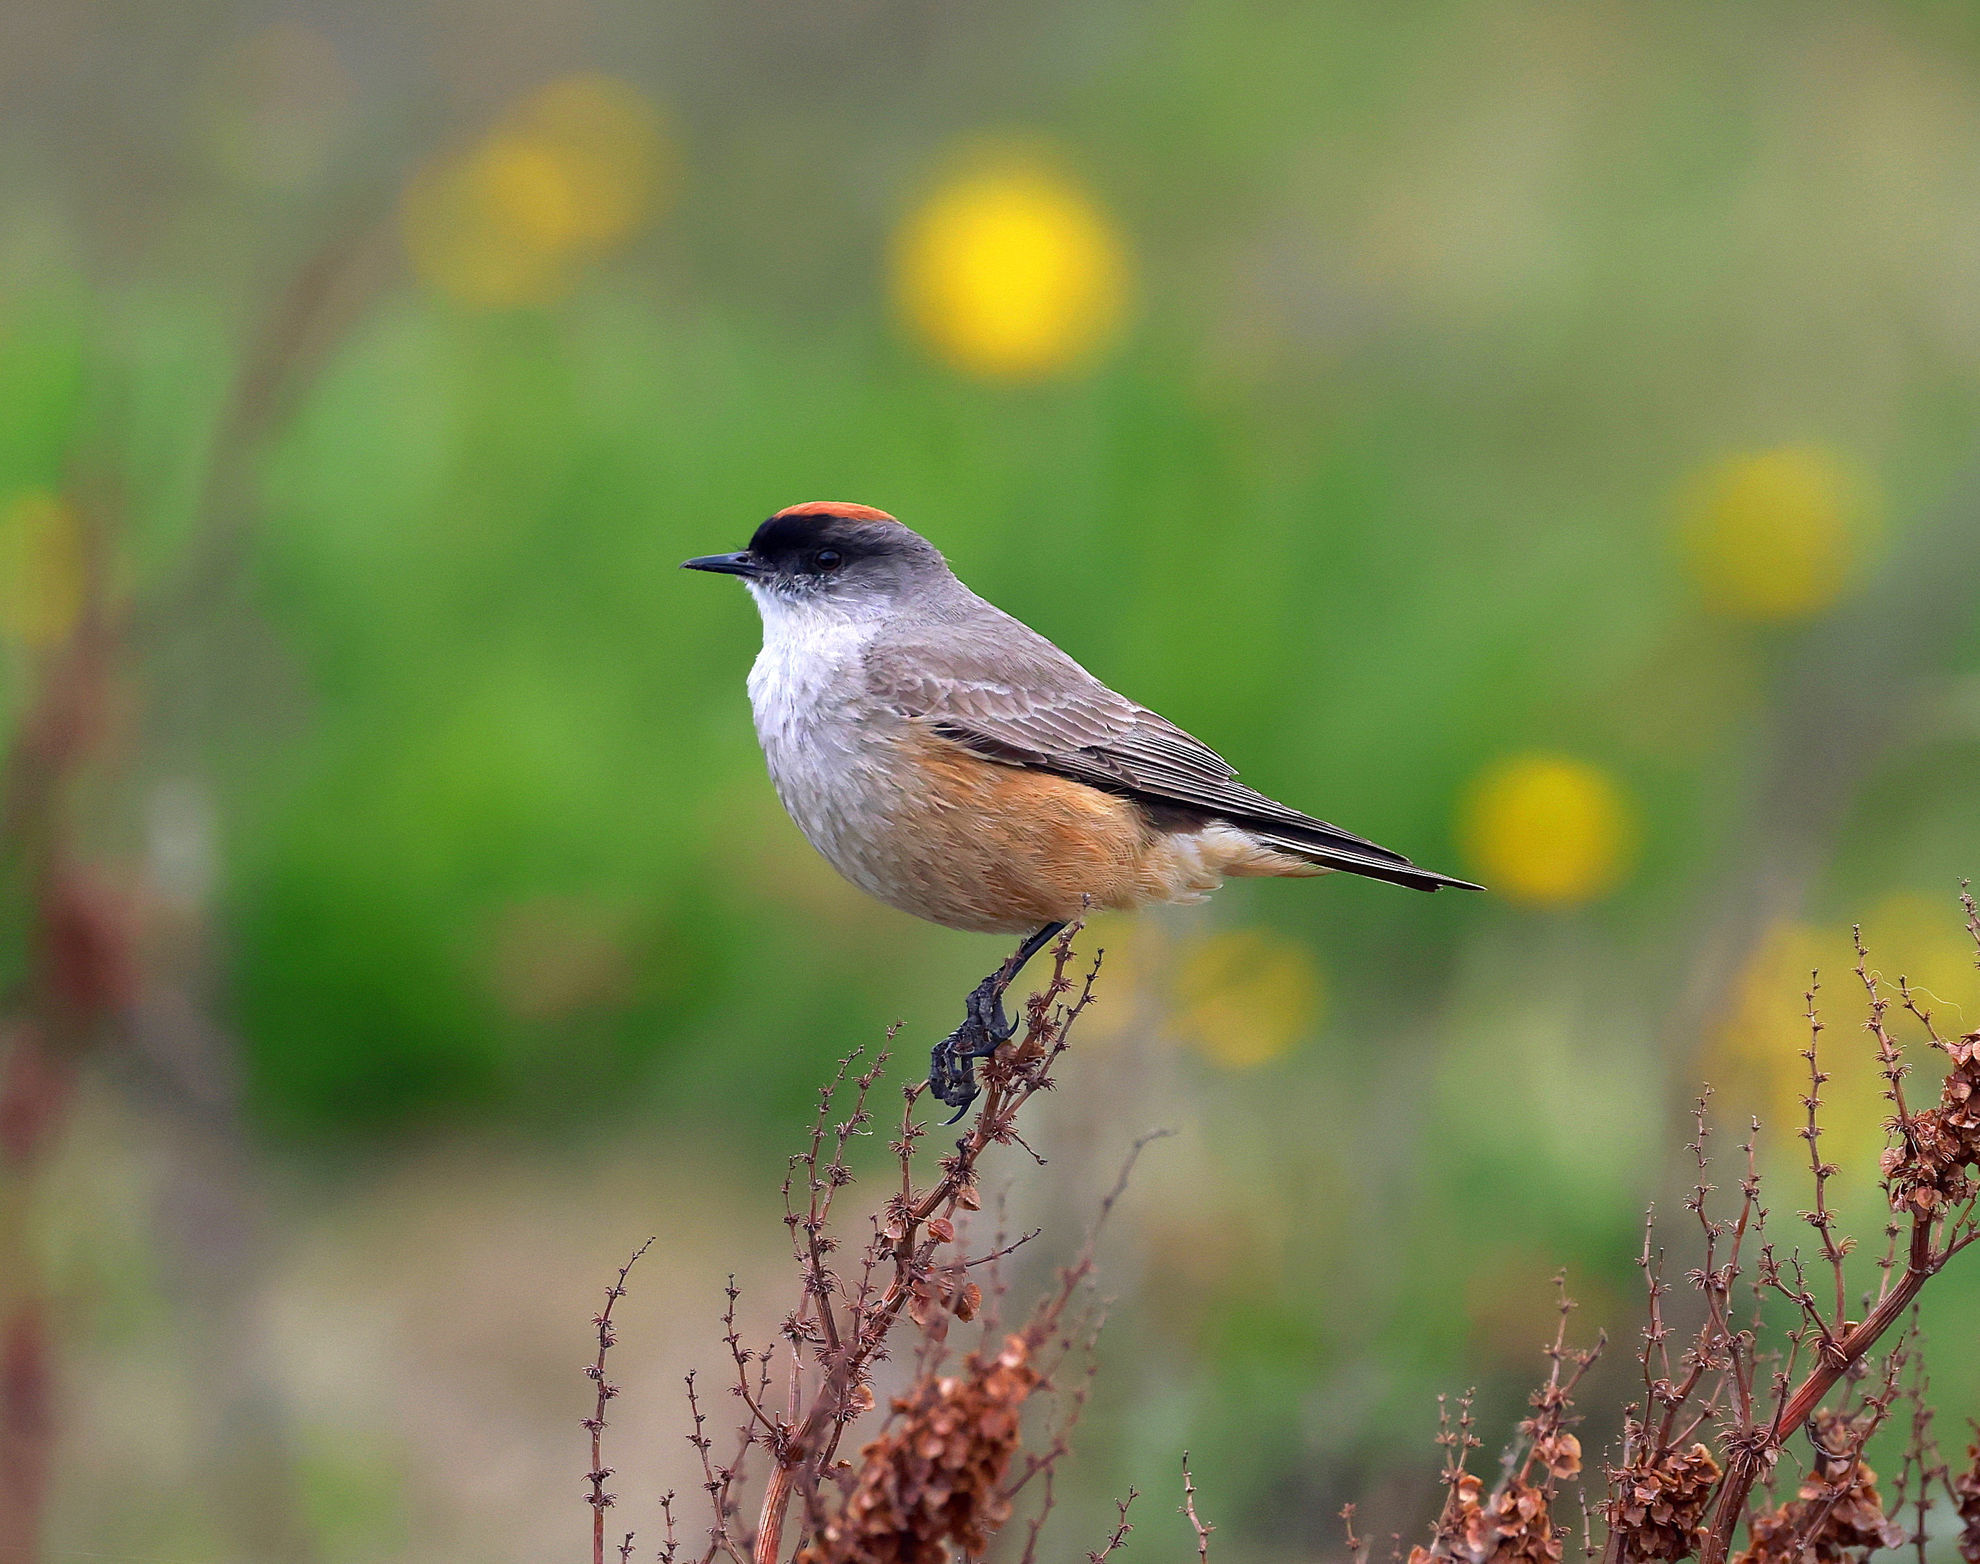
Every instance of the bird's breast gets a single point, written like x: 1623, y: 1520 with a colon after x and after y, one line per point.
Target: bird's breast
x: 830, y: 749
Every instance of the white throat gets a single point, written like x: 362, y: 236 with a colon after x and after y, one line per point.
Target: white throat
x: 808, y: 673
x: 827, y: 752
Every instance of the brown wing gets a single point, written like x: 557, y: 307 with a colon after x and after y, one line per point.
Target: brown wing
x: 1013, y: 697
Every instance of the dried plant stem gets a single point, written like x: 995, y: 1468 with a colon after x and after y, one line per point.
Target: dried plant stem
x: 1356, y: 1546
x: 1121, y: 1530
x: 1197, y: 1523
x: 1752, y: 1454
x: 599, y: 1500
x: 1925, y: 1176
x: 1822, y: 1219
x: 1670, y: 1498
x: 770, y: 1525
x: 803, y: 1443
x: 669, y: 1545
x: 936, y: 1480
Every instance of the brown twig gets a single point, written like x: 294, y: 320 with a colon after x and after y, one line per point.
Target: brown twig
x: 1923, y: 1467
x: 716, y: 1482
x: 1197, y: 1523
x: 599, y: 1499
x: 1121, y: 1530
x: 669, y: 1547
x: 1357, y: 1548
x: 1821, y: 1218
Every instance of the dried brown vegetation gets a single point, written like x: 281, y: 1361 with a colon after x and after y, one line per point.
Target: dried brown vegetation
x: 1837, y: 1513
x: 1966, y: 1500
x: 948, y: 1462
x: 1724, y: 1399
x: 1514, y: 1522
x: 936, y: 1476
x: 1771, y: 1352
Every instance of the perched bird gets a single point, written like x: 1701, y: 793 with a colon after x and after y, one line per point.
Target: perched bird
x: 957, y: 765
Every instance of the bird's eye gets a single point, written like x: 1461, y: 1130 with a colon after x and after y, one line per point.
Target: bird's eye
x: 827, y: 560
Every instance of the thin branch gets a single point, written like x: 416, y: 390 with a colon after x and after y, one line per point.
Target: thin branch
x: 670, y: 1547
x: 1821, y: 1218
x: 599, y: 1499
x: 1120, y: 1530
x: 1197, y: 1523
x: 1010, y: 1248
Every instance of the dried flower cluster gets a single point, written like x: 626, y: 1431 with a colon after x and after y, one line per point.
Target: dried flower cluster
x: 1656, y: 1505
x: 1509, y: 1525
x: 1966, y: 1501
x: 1513, y: 1524
x: 936, y: 1477
x: 1929, y: 1170
x: 1837, y: 1514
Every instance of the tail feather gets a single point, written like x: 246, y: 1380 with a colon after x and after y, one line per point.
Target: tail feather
x: 1353, y: 856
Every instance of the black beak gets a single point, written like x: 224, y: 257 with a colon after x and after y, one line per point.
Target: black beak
x: 743, y: 564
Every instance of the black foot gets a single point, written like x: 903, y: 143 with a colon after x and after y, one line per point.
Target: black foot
x: 985, y: 1029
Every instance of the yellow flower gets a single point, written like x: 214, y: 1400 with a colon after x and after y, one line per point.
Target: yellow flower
x: 606, y: 140
x: 1775, y: 535
x: 1012, y: 272
x: 1549, y: 830
x: 575, y: 169
x: 1245, y: 997
x: 43, y: 568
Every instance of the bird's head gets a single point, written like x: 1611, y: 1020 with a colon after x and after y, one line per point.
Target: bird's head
x: 830, y: 555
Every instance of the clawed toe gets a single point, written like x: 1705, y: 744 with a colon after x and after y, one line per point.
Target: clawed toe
x: 952, y: 1070
x: 985, y: 1029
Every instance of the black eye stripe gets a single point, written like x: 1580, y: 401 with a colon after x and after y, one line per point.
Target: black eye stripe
x: 817, y: 545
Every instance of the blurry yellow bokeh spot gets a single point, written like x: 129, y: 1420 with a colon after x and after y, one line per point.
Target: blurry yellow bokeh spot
x: 1549, y: 830
x: 1012, y: 272
x: 43, y: 568
x: 1924, y: 940
x: 1754, y: 1060
x: 1245, y: 997
x: 1776, y: 535
x: 574, y: 170
x: 1757, y: 1042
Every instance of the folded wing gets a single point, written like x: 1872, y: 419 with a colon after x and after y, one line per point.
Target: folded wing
x: 1013, y: 697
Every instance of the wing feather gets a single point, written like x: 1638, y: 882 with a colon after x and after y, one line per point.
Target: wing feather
x: 1006, y: 692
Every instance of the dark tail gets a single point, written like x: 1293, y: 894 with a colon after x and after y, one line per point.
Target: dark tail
x: 1330, y: 848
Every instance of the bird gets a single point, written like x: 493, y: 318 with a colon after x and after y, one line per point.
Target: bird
x: 951, y: 761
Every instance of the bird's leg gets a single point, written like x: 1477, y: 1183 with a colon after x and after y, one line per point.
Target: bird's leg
x: 985, y: 1027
